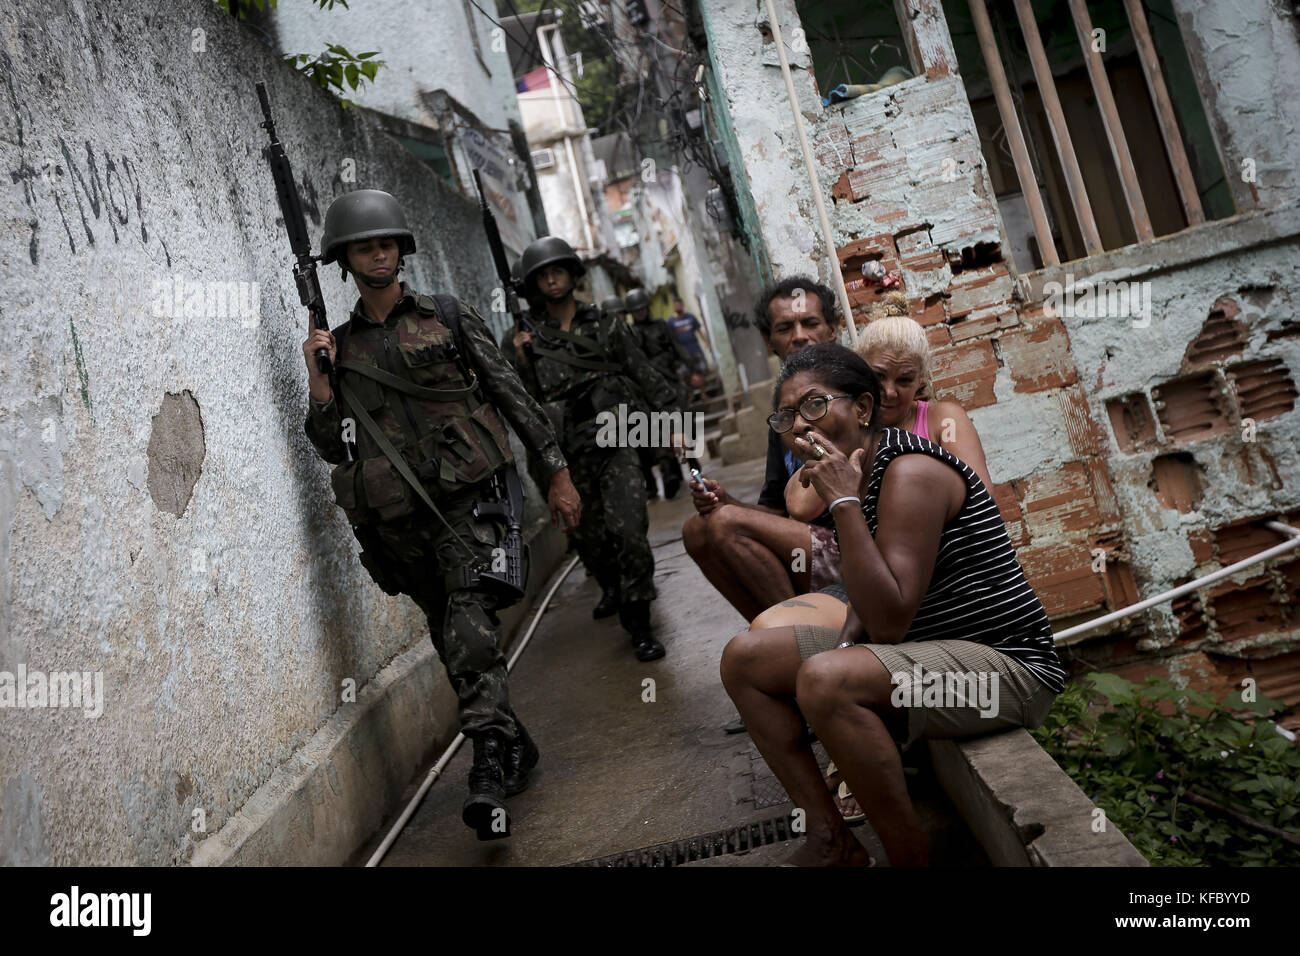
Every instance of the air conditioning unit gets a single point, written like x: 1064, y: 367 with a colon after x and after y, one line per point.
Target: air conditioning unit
x: 542, y: 158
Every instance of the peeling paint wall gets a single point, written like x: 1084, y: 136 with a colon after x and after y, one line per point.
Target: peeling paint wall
x: 1246, y: 58
x: 223, y: 632
x: 1127, y: 456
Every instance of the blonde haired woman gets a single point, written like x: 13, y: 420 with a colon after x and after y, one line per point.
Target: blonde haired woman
x: 897, y: 350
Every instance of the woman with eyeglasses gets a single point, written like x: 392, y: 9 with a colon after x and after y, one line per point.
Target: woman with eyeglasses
x: 937, y: 599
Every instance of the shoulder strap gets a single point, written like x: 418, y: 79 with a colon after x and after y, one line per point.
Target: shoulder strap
x: 394, y: 456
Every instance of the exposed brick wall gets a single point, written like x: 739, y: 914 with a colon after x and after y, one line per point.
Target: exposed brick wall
x: 1159, y: 478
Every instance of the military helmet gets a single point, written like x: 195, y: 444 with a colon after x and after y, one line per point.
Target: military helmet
x: 363, y: 214
x: 637, y: 299
x: 547, y: 251
x: 611, y: 304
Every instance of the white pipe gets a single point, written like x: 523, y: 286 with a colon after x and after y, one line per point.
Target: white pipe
x: 1192, y: 585
x: 828, y: 237
x: 460, y: 738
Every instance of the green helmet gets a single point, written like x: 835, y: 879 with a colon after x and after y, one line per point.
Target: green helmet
x: 637, y: 299
x: 547, y: 251
x: 363, y: 214
x: 611, y: 305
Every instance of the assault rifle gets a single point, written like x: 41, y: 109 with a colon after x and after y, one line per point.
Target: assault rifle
x: 509, y: 284
x: 295, y: 223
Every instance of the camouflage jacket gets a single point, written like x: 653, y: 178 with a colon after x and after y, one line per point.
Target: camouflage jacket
x: 451, y: 436
x: 661, y: 347
x: 572, y: 395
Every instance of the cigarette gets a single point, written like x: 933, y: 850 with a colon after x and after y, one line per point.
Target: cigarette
x: 817, y: 450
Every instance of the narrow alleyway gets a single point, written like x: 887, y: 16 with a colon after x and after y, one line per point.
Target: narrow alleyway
x: 618, y: 773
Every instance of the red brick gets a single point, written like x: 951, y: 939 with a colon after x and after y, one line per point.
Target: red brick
x: 1192, y: 408
x: 841, y: 188
x: 1063, y: 578
x: 980, y: 289
x: 928, y: 311
x: 975, y: 325
x: 1216, y: 675
x: 1082, y: 429
x: 1121, y: 587
x: 1009, y: 506
x: 1191, y: 618
x: 1039, y: 357
x: 1059, y: 501
x: 1103, y: 491
x: 938, y: 337
x: 1202, y: 545
x: 1221, y: 337
x: 1131, y: 421
x: 1246, y: 610
x: 1240, y: 540
x: 1177, y: 482
x: 964, y: 374
x: 1264, y: 389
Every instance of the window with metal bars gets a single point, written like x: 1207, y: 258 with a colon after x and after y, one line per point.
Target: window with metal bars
x: 1090, y: 121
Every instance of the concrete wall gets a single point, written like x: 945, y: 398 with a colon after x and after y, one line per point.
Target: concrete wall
x: 426, y: 44
x: 163, y: 519
x: 1101, y: 510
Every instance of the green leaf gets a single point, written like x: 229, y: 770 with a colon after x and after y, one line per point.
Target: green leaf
x: 1112, y: 687
x: 1114, y: 745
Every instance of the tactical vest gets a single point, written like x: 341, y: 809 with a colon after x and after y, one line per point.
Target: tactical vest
x: 655, y: 339
x: 575, y: 365
x: 409, y: 376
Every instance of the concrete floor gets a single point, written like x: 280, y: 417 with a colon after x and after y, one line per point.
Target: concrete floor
x: 618, y: 773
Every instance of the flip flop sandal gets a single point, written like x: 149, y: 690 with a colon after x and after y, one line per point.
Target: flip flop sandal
x: 843, y: 793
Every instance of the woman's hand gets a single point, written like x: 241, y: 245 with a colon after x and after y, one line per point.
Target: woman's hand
x: 833, y: 474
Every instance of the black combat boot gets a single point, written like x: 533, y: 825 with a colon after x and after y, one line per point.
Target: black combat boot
x: 608, y: 605
x: 521, y: 758
x: 485, y: 808
x: 635, y: 618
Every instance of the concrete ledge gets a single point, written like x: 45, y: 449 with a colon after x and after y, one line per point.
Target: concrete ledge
x: 332, y: 795
x: 1023, y: 808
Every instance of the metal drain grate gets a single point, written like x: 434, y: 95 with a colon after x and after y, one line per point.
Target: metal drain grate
x: 732, y: 840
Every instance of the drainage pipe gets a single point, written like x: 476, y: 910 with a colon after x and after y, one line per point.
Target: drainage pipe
x: 1294, y: 542
x: 460, y: 738
x: 828, y: 237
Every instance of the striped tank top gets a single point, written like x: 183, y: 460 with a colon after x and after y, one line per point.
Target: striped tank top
x: 978, y: 591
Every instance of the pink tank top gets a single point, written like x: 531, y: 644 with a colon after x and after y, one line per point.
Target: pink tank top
x: 921, y: 428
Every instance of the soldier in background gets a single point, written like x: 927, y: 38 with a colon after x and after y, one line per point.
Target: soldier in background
x: 668, y: 357
x: 582, y: 363
x: 425, y: 391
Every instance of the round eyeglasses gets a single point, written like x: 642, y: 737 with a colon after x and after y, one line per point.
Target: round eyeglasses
x: 813, y: 408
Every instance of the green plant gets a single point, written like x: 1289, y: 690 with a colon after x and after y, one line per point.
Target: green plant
x: 1152, y: 756
x: 335, y: 69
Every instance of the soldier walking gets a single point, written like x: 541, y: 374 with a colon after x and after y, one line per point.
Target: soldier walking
x: 424, y: 390
x: 581, y: 363
x: 667, y: 356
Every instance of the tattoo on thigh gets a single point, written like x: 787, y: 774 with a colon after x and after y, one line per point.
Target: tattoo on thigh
x: 794, y: 603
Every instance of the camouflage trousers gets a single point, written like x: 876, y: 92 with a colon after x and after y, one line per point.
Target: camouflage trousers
x: 421, y: 559
x: 612, y: 535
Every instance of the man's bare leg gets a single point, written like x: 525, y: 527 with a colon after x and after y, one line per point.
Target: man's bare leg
x: 758, y: 548
x: 695, y: 535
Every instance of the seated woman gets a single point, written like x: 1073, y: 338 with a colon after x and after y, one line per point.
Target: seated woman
x: 898, y: 352
x: 936, y: 594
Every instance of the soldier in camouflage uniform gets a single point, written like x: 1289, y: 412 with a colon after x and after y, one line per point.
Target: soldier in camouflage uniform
x: 424, y: 391
x: 667, y: 356
x: 579, y: 364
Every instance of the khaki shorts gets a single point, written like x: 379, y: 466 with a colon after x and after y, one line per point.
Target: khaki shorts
x: 949, y: 689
